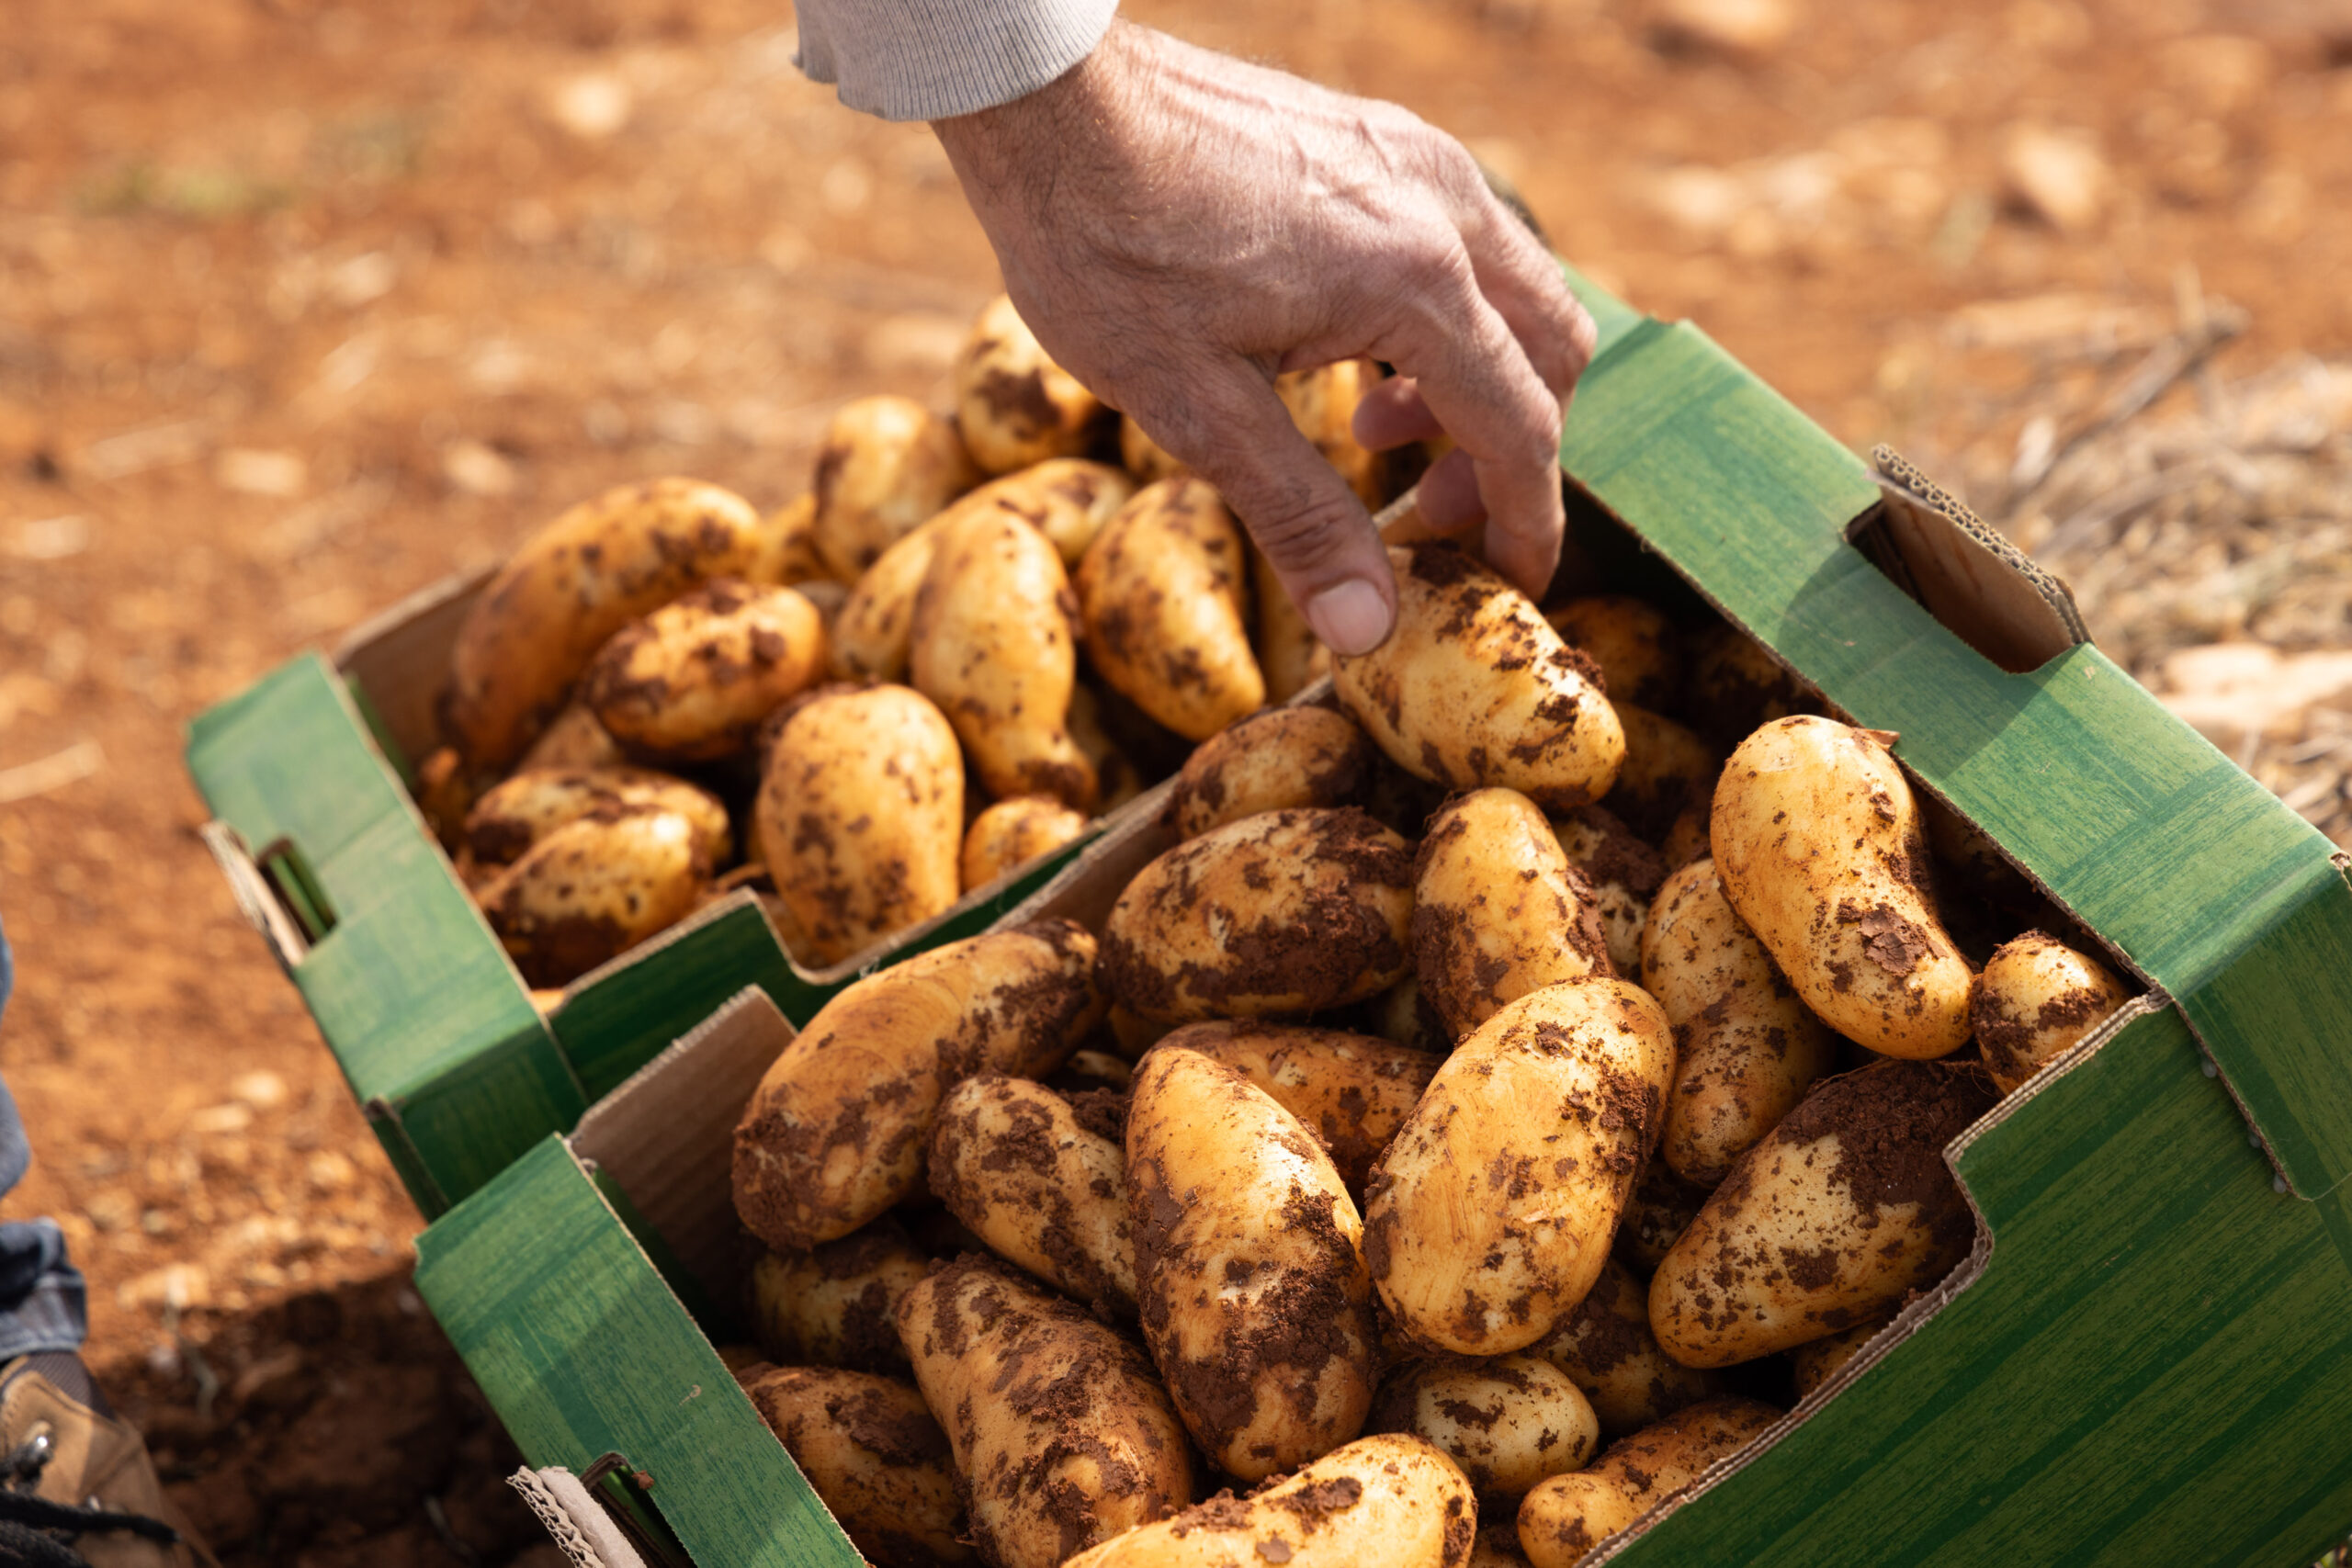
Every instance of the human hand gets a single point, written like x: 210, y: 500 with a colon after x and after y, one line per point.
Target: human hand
x: 1178, y: 226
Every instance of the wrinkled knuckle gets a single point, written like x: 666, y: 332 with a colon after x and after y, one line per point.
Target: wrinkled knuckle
x: 1298, y: 530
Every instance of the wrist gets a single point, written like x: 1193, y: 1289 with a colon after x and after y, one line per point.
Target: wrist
x: 1017, y: 144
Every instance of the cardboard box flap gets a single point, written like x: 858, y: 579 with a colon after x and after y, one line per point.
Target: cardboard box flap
x: 400, y: 658
x: 583, y: 1532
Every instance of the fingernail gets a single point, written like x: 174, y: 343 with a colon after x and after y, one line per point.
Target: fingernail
x: 1351, y: 618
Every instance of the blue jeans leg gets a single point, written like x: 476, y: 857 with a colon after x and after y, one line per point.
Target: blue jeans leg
x: 43, y: 1306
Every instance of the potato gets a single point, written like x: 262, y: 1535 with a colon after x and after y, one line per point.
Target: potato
x: 691, y: 682
x: 2035, y: 997
x: 1162, y: 597
x: 573, y: 739
x: 836, y: 1305
x: 1567, y: 1515
x: 744, y: 1364
x: 1322, y: 405
x: 593, y: 888
x: 787, y: 550
x: 1664, y: 762
x: 1624, y: 873
x: 1606, y: 1348
x: 1014, y: 405
x: 1818, y: 1360
x: 886, y: 465
x: 512, y: 816
x: 1289, y: 653
x: 1010, y: 1159
x: 1474, y: 688
x: 1391, y: 1501
x: 1286, y: 912
x: 1302, y: 756
x: 1489, y: 1218
x: 1509, y: 1421
x: 1636, y: 647
x: 1661, y: 1209
x: 1497, y: 1547
x: 444, y: 791
x: 1497, y: 910
x: 1086, y: 1071
x: 1066, y: 499
x: 994, y: 644
x: 1401, y: 1016
x: 860, y: 817
x: 1747, y: 1049
x: 1121, y: 781
x: 1735, y: 686
x: 1131, y: 1033
x: 1062, y: 1435
x: 1147, y: 459
x: 1817, y: 842
x: 1352, y: 1091
x: 1013, y: 832
x: 576, y: 582
x: 1845, y: 1208
x: 1686, y: 838
x: 873, y: 637
x: 838, y: 1129
x: 873, y: 1456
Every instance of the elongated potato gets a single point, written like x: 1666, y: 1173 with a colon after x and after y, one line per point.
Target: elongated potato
x: 873, y: 637
x: 2035, y: 997
x: 1497, y: 910
x: 1284, y: 757
x: 575, y: 582
x: 1322, y: 405
x: 1014, y: 833
x: 1010, y: 1159
x: 787, y: 551
x: 1845, y: 1208
x: 838, y: 1129
x: 1062, y: 1435
x: 1818, y: 1360
x: 1624, y: 873
x: 860, y: 817
x: 510, y: 817
x: 1817, y: 842
x: 1747, y: 1049
x: 886, y: 465
x: 1567, y: 1515
x: 1509, y: 1421
x: 1066, y: 499
x: 1163, y: 598
x: 880, y: 1463
x: 691, y: 682
x: 592, y: 889
x: 1390, y: 1501
x: 573, y: 739
x: 1606, y: 1348
x: 836, y: 1305
x: 1474, y: 688
x: 1489, y: 1218
x: 1661, y: 1209
x: 1013, y: 404
x: 1663, y: 761
x: 1638, y: 650
x: 1352, y: 1091
x: 1283, y: 913
x: 1292, y: 656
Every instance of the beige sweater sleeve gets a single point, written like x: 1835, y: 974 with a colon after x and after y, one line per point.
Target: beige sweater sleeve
x: 931, y: 59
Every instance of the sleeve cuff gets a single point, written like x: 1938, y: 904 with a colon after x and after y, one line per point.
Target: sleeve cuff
x: 907, y: 60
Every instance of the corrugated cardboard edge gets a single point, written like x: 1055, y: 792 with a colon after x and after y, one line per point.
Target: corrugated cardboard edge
x: 254, y: 898
x: 582, y: 1531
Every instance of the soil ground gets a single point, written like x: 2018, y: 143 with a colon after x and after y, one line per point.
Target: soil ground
x: 304, y: 306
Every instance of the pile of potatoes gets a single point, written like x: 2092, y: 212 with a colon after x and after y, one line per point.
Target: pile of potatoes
x: 972, y: 636
x: 1497, y: 1106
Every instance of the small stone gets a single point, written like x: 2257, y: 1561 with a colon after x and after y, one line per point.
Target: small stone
x: 328, y: 1172
x: 262, y: 1090
x: 213, y: 1120
x: 477, y: 470
x: 1749, y: 29
x: 176, y: 1285
x: 2057, y: 174
x: 249, y: 470
x: 591, y: 106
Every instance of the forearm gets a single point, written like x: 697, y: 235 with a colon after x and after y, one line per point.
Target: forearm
x: 934, y: 59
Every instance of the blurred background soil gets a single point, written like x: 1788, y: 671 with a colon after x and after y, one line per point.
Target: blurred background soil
x: 304, y: 306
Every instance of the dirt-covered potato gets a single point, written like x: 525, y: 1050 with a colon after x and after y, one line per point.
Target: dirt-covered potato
x: 1255, y: 1301
x: 1163, y: 596
x: 836, y: 1305
x: 886, y: 465
x: 1567, y: 1515
x: 787, y: 550
x: 1509, y: 1421
x: 873, y: 637
x: 691, y: 682
x: 1066, y: 499
x: 1845, y: 1208
x: 1352, y: 1091
x: 1624, y: 873
x: 1606, y: 1348
x: 874, y: 1457
x: 1010, y: 1159
x: 1322, y: 405
x: 1131, y: 1033
x: 1661, y: 1209
x: 512, y: 816
x: 1489, y: 1218
x: 1734, y: 685
x: 838, y: 1129
x: 1062, y: 1435
x: 1747, y: 1049
x: 1816, y: 839
x: 1686, y: 836
x: 1497, y: 910
x: 1014, y: 405
x: 2035, y: 997
x: 1818, y: 1360
x: 860, y: 817
x: 1390, y: 1501
x: 1289, y: 653
x: 1014, y: 833
x: 1280, y: 914
x: 592, y: 889
x: 573, y: 739
x: 1497, y: 1546
x: 1663, y: 761
x: 575, y: 582
x: 1303, y: 756
x: 1474, y: 688
x: 1639, y: 652
x: 1400, y: 1015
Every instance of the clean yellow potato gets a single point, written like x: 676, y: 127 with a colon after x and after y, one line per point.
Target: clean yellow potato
x: 1624, y: 873
x: 837, y: 1131
x: 1255, y: 1303
x: 1014, y: 405
x: 787, y: 550
x: 1661, y: 1209
x: 886, y: 465
x: 1497, y: 910
x: 860, y: 817
x: 1509, y: 1421
x: 1302, y: 756
x: 1062, y: 1435
x: 1489, y: 1218
x: 1283, y: 913
x: 1816, y: 839
x: 874, y: 1457
x: 1664, y: 762
x: 1010, y: 1159
x: 1639, y: 652
x: 1734, y: 685
x: 1352, y: 1091
x: 1014, y: 833
x: 1322, y: 405
x: 573, y: 583
x: 1833, y: 1219
x: 1289, y: 653
x: 510, y: 817
x: 1389, y: 1501
x: 691, y: 682
x: 1816, y: 1361
x: 1163, y: 599
x: 592, y: 889
x: 1474, y: 688
x: 873, y: 637
x: 2035, y: 997
x: 1606, y: 1348
x: 1748, y: 1049
x: 573, y: 739
x: 1567, y: 1515
x: 836, y: 1305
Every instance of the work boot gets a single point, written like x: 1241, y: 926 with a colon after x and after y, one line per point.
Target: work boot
x: 77, y: 1485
